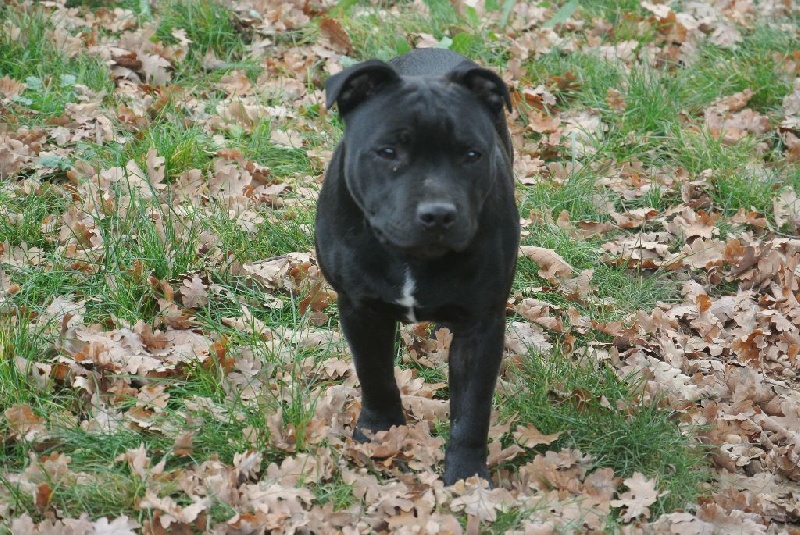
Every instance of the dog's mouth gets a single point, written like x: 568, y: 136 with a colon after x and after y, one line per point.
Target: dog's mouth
x: 429, y: 252
x: 432, y: 248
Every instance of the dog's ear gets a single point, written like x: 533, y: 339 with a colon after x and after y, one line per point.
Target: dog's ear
x: 486, y: 84
x: 355, y: 84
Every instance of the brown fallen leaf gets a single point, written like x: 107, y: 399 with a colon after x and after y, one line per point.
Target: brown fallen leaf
x: 23, y: 422
x: 10, y: 87
x: 530, y: 437
x: 193, y: 292
x: 552, y: 266
x: 786, y: 210
x: 641, y: 494
x: 335, y: 32
x: 476, y: 499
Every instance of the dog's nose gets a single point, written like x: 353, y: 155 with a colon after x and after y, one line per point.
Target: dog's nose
x: 436, y: 215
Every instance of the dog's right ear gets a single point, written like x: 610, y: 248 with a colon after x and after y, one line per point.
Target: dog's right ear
x: 355, y: 84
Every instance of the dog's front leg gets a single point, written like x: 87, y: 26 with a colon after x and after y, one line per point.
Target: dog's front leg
x: 475, y: 356
x: 371, y: 339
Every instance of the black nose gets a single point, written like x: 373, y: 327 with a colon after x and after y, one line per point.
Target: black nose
x: 436, y: 215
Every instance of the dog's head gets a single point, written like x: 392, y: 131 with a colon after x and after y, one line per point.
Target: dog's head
x: 421, y: 154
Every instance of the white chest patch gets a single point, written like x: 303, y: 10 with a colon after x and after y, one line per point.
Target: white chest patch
x: 407, y: 299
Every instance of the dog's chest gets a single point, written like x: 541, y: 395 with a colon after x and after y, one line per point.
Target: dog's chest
x: 407, y: 301
x: 419, y: 296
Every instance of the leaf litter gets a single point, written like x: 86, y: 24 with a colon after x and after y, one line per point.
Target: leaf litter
x: 726, y: 361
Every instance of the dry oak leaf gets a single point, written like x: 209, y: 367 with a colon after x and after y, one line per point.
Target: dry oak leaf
x: 333, y: 30
x: 478, y: 500
x: 786, y: 209
x: 290, y: 139
x: 578, y: 288
x: 249, y: 324
x: 523, y: 336
x: 530, y: 437
x: 552, y: 266
x: 119, y: 526
x: 601, y: 485
x: 10, y: 87
x: 704, y: 254
x: 539, y: 312
x: 193, y: 292
x: 424, y: 523
x: 173, y: 512
x: 634, y: 218
x: 276, y: 272
x: 498, y: 454
x: 139, y: 462
x: 248, y: 464
x: 300, y: 467
x: 641, y: 494
x: 122, y: 525
x: 182, y: 447
x: 424, y: 408
x: 615, y: 99
x: 541, y: 123
x: 235, y: 83
x: 734, y: 102
x: 538, y: 97
x: 22, y: 422
x: 155, y: 68
x: 13, y: 155
x: 732, y: 127
x: 682, y: 523
x: 228, y: 179
x: 659, y: 10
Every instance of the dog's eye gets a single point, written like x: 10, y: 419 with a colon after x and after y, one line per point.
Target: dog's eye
x: 472, y: 156
x: 387, y: 153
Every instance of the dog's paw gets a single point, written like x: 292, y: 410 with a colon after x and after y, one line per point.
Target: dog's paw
x: 359, y: 436
x: 450, y: 477
x: 463, y: 464
x: 374, y: 421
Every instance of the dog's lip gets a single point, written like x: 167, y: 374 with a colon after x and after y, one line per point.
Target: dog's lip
x: 422, y: 251
x: 429, y: 252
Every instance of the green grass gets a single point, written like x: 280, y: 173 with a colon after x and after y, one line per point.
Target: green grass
x: 183, y: 148
x: 754, y: 65
x: 50, y: 74
x: 337, y: 493
x: 581, y: 397
x: 217, y: 427
x: 141, y: 240
x: 577, y: 195
x: 376, y: 33
x: 22, y: 216
x: 211, y: 28
x: 616, y: 291
x: 20, y: 346
x: 282, y: 161
x: 272, y: 237
x: 132, y: 5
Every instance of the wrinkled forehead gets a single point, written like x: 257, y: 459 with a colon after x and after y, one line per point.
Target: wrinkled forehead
x: 431, y: 106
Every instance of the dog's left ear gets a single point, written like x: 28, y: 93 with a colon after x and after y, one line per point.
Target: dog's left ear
x: 356, y: 84
x: 486, y: 84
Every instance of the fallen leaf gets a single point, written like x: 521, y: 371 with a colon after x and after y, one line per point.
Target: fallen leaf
x: 641, y: 494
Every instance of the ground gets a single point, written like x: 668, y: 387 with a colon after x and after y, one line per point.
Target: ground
x: 170, y: 359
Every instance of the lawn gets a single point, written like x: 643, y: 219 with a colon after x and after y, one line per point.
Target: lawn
x: 170, y: 357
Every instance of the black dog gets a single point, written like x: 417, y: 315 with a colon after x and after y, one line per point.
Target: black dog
x: 416, y: 221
